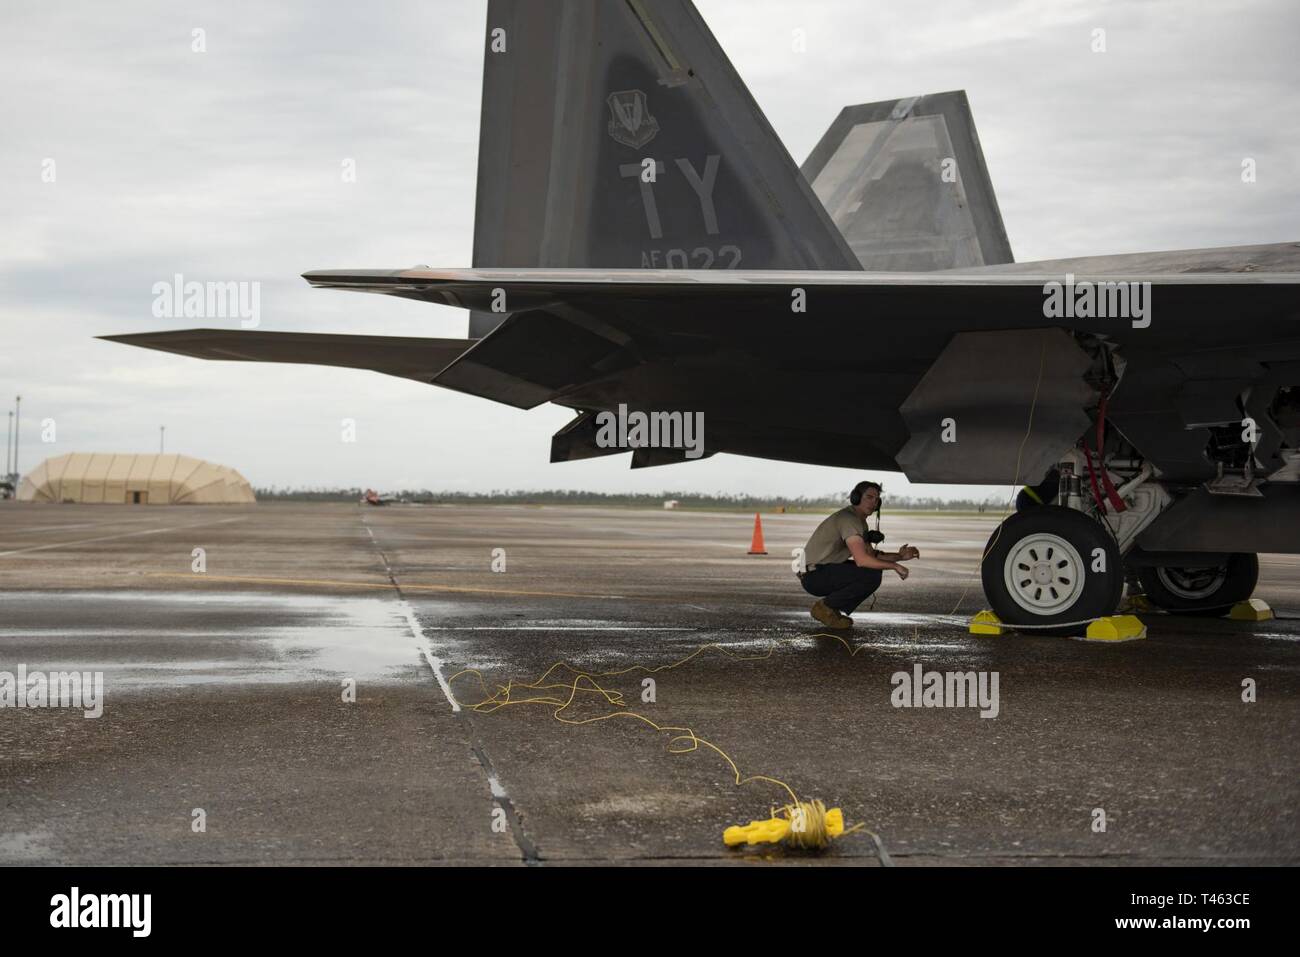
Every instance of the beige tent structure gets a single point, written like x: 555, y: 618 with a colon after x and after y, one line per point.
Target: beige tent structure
x: 105, y: 478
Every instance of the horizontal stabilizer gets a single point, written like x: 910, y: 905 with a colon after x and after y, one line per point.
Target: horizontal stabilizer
x: 537, y: 355
x: 408, y: 358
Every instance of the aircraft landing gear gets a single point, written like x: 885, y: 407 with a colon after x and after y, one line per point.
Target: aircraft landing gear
x: 1052, y: 568
x: 1208, y: 591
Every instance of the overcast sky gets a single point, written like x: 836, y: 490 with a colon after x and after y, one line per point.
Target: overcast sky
x: 225, y: 165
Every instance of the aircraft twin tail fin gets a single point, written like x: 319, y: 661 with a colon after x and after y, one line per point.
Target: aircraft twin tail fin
x: 906, y: 184
x: 618, y: 135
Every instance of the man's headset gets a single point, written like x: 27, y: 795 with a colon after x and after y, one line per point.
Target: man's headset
x: 875, y: 536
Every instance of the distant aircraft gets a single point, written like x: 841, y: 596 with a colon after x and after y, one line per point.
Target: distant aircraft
x: 643, y: 240
x: 371, y: 497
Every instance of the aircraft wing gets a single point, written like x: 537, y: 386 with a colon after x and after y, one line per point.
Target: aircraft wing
x: 509, y: 290
x: 408, y: 358
x: 845, y: 378
x: 1263, y: 258
x: 843, y: 381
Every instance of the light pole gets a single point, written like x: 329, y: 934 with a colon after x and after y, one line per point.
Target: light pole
x: 9, y: 441
x: 18, y: 408
x: 162, y: 435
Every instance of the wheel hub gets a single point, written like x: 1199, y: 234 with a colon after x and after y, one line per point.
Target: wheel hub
x: 1193, y: 584
x: 1044, y: 574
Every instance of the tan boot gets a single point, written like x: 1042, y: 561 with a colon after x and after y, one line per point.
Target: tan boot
x: 830, y: 617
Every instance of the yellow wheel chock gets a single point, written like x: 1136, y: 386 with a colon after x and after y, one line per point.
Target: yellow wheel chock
x: 1112, y: 628
x: 1255, y: 609
x: 986, y: 623
x: 1116, y: 628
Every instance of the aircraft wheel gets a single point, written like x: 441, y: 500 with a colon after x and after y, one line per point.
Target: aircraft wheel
x: 1038, y: 570
x: 1208, y: 591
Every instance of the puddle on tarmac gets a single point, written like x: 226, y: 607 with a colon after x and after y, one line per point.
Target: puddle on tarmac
x: 169, y: 639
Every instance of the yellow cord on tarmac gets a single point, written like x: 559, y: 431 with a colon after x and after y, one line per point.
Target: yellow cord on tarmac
x: 802, y: 824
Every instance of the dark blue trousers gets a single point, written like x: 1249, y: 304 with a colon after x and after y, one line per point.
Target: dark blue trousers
x: 844, y: 586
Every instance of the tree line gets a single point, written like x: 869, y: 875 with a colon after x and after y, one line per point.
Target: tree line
x: 621, y: 499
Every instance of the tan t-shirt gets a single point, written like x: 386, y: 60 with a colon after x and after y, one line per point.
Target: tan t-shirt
x: 826, y: 546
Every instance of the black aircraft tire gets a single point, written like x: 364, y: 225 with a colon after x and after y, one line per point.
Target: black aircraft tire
x: 1052, y: 551
x: 1215, y: 592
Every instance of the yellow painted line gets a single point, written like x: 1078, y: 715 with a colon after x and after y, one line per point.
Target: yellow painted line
x: 334, y: 583
x: 40, y: 529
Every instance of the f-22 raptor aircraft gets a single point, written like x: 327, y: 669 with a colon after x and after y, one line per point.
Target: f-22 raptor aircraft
x: 643, y: 239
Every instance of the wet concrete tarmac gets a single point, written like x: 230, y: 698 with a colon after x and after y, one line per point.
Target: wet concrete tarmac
x: 224, y: 690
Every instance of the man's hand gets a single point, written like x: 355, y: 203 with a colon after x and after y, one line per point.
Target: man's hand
x: 902, y: 572
x: 907, y: 553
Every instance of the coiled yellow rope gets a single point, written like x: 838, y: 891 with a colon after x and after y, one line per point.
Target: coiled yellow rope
x: 809, y: 828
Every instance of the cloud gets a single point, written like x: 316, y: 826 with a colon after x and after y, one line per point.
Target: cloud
x: 225, y: 165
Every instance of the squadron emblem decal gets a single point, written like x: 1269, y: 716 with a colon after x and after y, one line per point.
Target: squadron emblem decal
x: 630, y: 122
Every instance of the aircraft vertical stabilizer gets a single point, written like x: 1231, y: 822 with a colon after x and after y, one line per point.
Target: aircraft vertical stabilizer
x: 618, y: 135
x: 905, y: 182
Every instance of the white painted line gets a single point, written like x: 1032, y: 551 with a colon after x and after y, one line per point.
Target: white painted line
x: 429, y: 655
x: 105, y: 538
x: 426, y: 646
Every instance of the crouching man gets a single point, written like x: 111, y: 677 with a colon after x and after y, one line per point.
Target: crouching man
x: 841, y: 567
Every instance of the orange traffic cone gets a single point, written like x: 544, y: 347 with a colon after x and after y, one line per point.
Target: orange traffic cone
x: 756, y: 547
